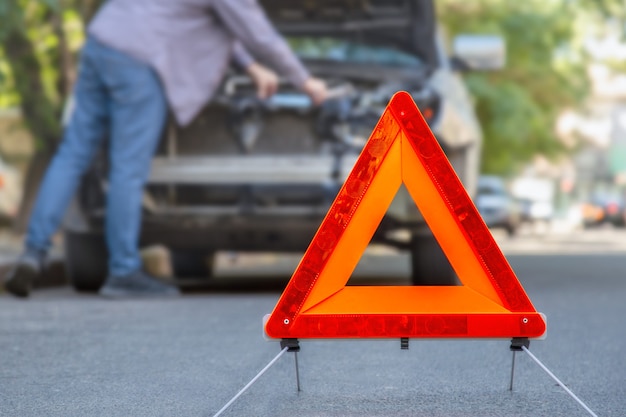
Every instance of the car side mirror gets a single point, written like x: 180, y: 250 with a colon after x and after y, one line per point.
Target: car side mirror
x: 478, y: 53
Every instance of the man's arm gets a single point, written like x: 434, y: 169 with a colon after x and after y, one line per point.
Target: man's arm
x: 265, y: 80
x: 241, y: 56
x: 249, y: 24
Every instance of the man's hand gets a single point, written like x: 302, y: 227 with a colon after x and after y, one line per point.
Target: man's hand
x: 266, y: 80
x: 316, y: 89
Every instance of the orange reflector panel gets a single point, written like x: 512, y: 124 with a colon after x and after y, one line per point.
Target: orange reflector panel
x: 317, y: 304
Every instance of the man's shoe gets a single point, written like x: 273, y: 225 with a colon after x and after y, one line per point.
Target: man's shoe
x: 20, y: 278
x: 137, y: 284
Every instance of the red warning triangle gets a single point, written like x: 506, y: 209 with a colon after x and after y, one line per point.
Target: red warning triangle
x: 490, y: 303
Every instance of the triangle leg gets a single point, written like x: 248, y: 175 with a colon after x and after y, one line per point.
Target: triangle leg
x: 293, y: 345
x: 517, y: 344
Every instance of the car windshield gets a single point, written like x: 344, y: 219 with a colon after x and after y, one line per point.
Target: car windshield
x: 341, y: 50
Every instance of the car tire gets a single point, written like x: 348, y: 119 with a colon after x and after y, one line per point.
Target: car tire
x: 189, y: 263
x: 85, y: 260
x: 429, y: 264
x: 510, y: 228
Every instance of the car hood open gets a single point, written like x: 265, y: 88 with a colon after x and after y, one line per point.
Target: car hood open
x: 405, y: 24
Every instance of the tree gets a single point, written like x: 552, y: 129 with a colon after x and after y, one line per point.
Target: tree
x: 518, y: 105
x: 39, y: 41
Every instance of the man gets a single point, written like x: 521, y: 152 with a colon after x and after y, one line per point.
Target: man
x: 140, y: 57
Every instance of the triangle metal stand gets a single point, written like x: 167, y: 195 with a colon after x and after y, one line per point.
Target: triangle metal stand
x: 522, y: 344
x: 293, y: 345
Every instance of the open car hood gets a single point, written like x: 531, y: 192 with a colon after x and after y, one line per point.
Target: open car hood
x: 405, y: 24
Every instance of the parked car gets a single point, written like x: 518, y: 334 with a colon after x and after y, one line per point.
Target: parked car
x: 536, y: 196
x: 605, y: 207
x: 592, y: 214
x: 252, y: 175
x: 496, y: 205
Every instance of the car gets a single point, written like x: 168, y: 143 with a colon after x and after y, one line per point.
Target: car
x: 496, y: 205
x: 605, y: 207
x: 591, y: 213
x: 535, y: 196
x: 250, y: 175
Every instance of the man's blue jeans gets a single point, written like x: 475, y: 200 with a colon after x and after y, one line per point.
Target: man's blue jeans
x: 118, y: 97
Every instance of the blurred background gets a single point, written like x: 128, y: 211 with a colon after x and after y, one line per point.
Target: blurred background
x: 553, y: 118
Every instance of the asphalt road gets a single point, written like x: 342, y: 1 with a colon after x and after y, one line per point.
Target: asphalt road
x: 69, y: 354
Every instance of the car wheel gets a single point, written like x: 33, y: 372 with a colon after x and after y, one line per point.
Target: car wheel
x: 511, y: 230
x: 188, y: 263
x: 429, y: 265
x: 85, y: 260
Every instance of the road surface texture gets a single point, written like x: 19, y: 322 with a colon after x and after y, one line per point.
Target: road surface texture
x: 69, y: 354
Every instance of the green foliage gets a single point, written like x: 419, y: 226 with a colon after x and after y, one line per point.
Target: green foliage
x: 8, y: 95
x: 38, y: 45
x: 518, y: 105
